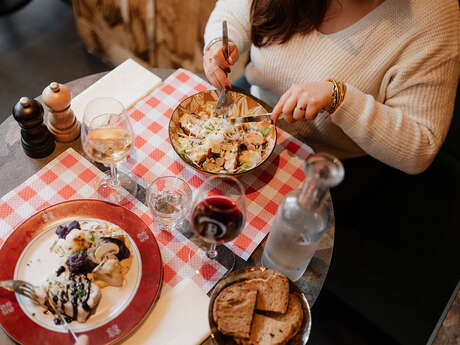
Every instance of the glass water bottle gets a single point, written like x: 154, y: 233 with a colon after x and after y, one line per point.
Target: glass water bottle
x: 302, y: 218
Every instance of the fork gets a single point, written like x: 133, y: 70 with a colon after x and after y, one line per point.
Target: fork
x: 21, y: 287
x: 28, y: 290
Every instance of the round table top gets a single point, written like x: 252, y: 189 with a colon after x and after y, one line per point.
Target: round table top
x: 16, y: 167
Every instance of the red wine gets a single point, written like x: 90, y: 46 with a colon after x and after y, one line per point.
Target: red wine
x: 217, y: 219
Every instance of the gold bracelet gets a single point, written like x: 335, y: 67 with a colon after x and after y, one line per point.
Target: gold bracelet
x: 334, y: 95
x: 338, y: 94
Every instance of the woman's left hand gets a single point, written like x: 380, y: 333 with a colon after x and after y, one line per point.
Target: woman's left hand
x: 302, y: 102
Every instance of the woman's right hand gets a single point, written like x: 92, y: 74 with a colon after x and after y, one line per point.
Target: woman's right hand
x: 82, y: 340
x: 216, y: 66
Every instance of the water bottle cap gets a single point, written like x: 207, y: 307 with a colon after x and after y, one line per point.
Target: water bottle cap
x: 326, y: 168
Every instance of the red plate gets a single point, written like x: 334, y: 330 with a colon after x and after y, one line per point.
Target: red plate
x: 26, y: 331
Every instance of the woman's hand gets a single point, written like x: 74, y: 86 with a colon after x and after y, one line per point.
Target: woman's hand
x: 82, y: 340
x: 303, y: 101
x: 216, y: 66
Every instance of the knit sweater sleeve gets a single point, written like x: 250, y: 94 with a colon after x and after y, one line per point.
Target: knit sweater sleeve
x: 407, y: 129
x: 236, y: 13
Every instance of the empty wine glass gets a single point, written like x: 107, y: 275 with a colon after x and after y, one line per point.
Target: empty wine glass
x: 169, y: 199
x: 107, y: 138
x: 219, y: 211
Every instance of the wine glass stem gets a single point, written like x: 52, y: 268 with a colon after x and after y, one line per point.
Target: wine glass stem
x: 114, y: 181
x: 212, y: 252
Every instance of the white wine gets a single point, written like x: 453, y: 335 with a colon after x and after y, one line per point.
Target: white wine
x: 108, y: 145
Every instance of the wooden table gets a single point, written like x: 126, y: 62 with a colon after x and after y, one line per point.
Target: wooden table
x: 16, y: 167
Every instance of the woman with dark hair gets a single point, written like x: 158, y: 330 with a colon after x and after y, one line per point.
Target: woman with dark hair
x: 352, y: 77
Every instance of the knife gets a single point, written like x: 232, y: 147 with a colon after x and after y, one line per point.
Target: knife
x: 65, y: 324
x: 250, y: 118
x: 222, y: 99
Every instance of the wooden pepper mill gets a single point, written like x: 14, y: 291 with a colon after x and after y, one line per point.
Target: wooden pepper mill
x: 36, y: 140
x: 61, y: 119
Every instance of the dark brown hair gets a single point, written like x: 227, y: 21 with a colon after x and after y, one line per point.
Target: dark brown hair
x: 277, y: 21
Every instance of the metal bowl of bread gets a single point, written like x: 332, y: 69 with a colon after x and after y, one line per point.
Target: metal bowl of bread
x: 205, y: 139
x: 258, y: 306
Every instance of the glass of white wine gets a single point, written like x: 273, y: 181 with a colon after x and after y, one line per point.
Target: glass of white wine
x: 107, y: 138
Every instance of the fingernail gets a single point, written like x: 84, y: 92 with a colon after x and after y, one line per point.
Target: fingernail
x: 230, y: 60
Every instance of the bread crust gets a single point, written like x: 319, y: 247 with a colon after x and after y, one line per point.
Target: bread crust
x: 267, y: 331
x: 273, y: 292
x: 275, y: 329
x: 234, y: 310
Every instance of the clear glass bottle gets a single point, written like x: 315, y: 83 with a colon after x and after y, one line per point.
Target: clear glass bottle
x: 302, y: 218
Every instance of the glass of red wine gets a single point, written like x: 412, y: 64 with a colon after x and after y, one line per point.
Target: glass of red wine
x: 219, y: 211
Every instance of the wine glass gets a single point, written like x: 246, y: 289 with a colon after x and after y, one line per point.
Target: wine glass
x: 169, y: 198
x: 107, y: 138
x: 219, y: 211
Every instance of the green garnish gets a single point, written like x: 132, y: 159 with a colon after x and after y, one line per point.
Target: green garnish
x: 265, y: 131
x: 81, y: 292
x: 243, y: 168
x: 78, y: 293
x: 188, y: 160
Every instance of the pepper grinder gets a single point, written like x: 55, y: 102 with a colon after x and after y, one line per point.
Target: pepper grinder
x: 36, y: 140
x: 61, y: 119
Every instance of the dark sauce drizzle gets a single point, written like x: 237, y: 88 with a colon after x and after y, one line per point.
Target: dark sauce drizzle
x: 73, y: 290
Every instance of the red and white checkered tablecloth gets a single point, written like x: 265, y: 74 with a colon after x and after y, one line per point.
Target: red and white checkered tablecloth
x: 70, y: 176
x: 154, y: 156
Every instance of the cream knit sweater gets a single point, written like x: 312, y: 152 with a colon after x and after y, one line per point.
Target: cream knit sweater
x: 401, y: 66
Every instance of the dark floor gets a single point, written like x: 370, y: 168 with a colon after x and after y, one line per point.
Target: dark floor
x: 39, y: 44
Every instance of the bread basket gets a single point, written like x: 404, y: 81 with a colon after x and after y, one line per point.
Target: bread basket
x: 218, y: 338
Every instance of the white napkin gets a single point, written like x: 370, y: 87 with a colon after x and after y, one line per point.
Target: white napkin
x: 180, y: 317
x: 129, y: 82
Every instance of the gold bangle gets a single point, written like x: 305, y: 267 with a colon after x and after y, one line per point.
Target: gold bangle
x: 338, y: 94
x: 334, y: 96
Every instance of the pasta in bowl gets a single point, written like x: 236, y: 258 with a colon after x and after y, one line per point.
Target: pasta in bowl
x: 205, y: 140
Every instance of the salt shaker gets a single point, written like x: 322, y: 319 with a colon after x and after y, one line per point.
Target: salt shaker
x: 36, y: 140
x: 302, y: 218
x: 61, y: 120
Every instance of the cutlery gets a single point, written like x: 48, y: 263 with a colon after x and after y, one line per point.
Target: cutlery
x: 250, y: 118
x: 28, y: 290
x: 222, y: 100
x: 21, y: 287
x: 66, y: 325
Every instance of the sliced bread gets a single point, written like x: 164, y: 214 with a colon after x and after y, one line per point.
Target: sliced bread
x: 234, y: 310
x: 267, y: 331
x: 276, y: 329
x: 272, y: 292
x: 294, y: 314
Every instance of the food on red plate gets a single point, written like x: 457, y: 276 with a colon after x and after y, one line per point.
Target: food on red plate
x: 91, y: 255
x: 74, y: 295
